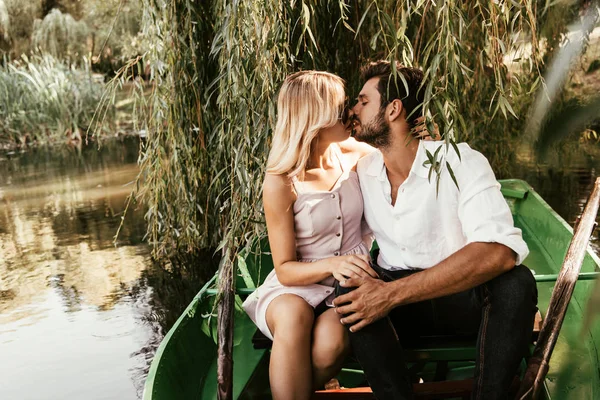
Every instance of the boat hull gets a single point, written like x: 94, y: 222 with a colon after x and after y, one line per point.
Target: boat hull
x: 184, y: 366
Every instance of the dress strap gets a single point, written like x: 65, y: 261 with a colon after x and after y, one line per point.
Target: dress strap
x: 338, y: 153
x: 297, y: 184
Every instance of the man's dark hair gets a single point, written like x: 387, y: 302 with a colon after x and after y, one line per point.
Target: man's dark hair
x: 393, y: 87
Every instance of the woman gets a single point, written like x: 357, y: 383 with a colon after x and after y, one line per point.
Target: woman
x: 313, y: 208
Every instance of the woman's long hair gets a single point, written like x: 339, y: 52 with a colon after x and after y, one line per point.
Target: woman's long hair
x: 308, y: 102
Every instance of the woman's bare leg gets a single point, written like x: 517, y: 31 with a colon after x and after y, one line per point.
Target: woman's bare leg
x: 290, y: 319
x: 329, y: 348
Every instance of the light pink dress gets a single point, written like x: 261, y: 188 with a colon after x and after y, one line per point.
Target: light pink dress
x: 327, y: 224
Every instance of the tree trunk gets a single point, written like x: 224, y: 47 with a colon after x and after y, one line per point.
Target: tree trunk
x: 225, y: 328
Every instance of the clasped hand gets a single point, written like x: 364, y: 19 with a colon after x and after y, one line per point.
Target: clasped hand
x: 351, y: 266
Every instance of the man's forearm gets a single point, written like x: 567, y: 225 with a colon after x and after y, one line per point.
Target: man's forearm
x: 469, y: 267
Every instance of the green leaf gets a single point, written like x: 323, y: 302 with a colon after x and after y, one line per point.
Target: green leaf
x: 451, y: 172
x: 363, y: 19
x: 455, y: 147
x: 437, y: 151
x: 244, y: 272
x: 429, y: 175
x: 509, y: 108
x: 430, y: 156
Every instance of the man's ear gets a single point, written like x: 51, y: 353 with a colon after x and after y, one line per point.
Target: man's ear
x: 395, y: 109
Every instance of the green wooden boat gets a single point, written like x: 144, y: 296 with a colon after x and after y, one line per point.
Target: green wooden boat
x: 185, y: 365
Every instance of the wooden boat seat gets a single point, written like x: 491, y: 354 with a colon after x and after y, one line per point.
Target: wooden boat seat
x: 450, y: 348
x: 437, y: 349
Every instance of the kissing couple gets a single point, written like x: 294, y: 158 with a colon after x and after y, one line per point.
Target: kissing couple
x: 449, y: 256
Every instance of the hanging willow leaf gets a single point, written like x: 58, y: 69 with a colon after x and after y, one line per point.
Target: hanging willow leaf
x: 452, y: 174
x: 216, y: 68
x: 455, y: 147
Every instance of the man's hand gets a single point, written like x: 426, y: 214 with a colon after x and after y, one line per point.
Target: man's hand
x: 365, y: 304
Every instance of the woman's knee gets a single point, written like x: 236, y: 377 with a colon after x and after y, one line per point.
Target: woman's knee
x: 327, y: 356
x: 291, y: 315
x: 330, y: 344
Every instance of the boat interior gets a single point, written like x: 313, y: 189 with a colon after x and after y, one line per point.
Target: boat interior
x: 185, y: 365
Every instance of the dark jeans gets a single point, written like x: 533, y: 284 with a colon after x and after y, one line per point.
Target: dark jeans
x: 500, y: 311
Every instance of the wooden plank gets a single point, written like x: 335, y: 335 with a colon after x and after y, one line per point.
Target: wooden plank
x: 423, y: 391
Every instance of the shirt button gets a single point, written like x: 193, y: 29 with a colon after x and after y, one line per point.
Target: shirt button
x: 338, y: 217
x: 337, y: 253
x: 403, y: 249
x: 397, y: 217
x: 333, y: 196
x: 338, y: 234
x: 328, y: 291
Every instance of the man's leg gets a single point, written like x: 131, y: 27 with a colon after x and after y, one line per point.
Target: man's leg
x: 508, y: 310
x: 378, y: 350
x: 501, y: 313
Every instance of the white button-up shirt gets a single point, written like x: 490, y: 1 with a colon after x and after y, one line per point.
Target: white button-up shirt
x: 425, y: 227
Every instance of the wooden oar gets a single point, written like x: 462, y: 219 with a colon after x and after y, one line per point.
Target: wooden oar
x: 538, y: 364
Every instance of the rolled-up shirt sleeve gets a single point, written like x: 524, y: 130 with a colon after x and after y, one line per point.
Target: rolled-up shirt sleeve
x: 482, y: 210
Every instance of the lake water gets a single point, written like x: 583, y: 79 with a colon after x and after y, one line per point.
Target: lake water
x: 73, y: 307
x: 81, y: 318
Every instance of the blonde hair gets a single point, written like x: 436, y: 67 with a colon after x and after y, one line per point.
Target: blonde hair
x: 308, y: 102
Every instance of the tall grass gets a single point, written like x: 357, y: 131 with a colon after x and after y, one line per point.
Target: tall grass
x: 45, y: 100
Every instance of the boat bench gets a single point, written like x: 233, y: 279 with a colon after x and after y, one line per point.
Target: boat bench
x: 427, y: 348
x: 438, y: 349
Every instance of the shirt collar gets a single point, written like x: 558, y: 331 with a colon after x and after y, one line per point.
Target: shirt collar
x: 421, y: 156
x: 377, y: 167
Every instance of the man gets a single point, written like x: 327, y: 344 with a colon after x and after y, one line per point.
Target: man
x: 449, y: 257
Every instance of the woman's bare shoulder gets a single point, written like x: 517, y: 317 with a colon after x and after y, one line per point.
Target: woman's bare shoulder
x: 278, y: 189
x: 359, y: 149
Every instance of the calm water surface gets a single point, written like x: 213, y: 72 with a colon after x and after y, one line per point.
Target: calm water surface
x: 74, y: 309
x: 81, y: 318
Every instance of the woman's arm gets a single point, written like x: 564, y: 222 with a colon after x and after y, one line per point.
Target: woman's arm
x: 278, y: 200
x: 355, y: 150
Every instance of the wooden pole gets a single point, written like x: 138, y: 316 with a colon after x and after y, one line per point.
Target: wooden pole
x: 538, y: 364
x: 225, y: 327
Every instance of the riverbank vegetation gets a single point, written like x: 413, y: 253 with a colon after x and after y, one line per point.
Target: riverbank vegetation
x: 45, y: 100
x: 56, y: 57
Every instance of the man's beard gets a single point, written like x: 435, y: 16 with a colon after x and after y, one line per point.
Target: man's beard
x: 376, y: 132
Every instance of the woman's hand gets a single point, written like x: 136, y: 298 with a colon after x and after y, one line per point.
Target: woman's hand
x: 351, y: 266
x: 423, y: 132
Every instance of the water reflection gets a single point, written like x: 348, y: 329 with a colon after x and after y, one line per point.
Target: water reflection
x: 564, y: 178
x: 72, y: 305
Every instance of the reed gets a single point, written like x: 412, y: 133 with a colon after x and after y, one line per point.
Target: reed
x: 45, y: 100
